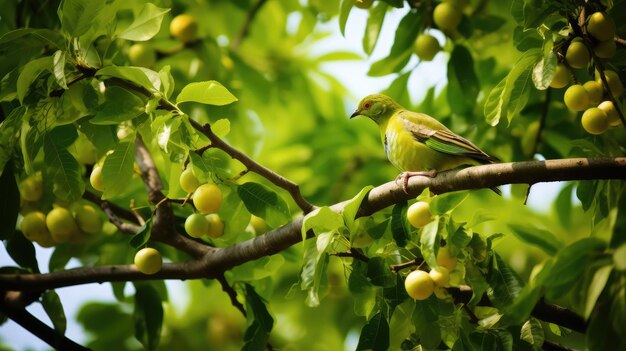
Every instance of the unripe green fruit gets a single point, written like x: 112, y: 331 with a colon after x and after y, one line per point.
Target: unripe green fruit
x: 61, y: 224
x: 188, y: 181
x: 96, y: 178
x: 576, y: 98
x: 259, y: 225
x: 426, y: 47
x: 601, y: 26
x: 34, y: 226
x: 595, y: 121
x: 611, y: 113
x: 142, y: 55
x: 363, y: 4
x: 595, y: 91
x: 619, y: 258
x: 87, y: 218
x: 148, y: 260
x: 184, y: 28
x: 561, y: 76
x: 207, y: 198
x: 440, y: 276
x: 444, y: 259
x: 85, y: 152
x: 216, y: 225
x: 419, y: 285
x: 46, y: 242
x: 197, y: 225
x: 31, y: 188
x: 447, y: 16
x: 419, y: 214
x: 577, y: 54
x: 615, y: 84
x: 605, y: 49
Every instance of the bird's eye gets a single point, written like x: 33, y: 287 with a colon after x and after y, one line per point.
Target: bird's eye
x: 367, y: 105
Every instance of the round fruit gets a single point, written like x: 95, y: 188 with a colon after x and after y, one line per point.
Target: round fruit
x: 148, y: 260
x: 595, y: 91
x: 577, y: 54
x: 142, y: 55
x: 31, y: 188
x: 601, y: 26
x: 576, y: 98
x: 46, y: 242
x: 197, y: 225
x: 184, y: 28
x: 595, y: 121
x: 207, y: 198
x: 440, y: 276
x: 561, y: 76
x: 426, y: 47
x: 85, y: 152
x: 87, y: 218
x: 363, y: 4
x: 188, y: 181
x: 612, y: 79
x: 605, y: 49
x: 216, y: 225
x: 96, y: 178
x: 418, y: 214
x: 444, y: 259
x: 61, y: 224
x: 611, y: 113
x: 419, y: 285
x: 447, y: 16
x: 34, y: 226
x: 619, y: 258
x: 259, y: 225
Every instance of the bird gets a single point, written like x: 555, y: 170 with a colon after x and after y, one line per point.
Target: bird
x: 416, y: 143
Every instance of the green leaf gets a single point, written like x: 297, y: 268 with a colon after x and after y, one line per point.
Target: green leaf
x: 118, y: 169
x: 375, y: 334
x: 429, y: 241
x: 573, y: 260
x: 260, y: 322
x: 321, y: 220
x: 265, y: 203
x: 532, y: 333
x: 313, y: 277
x: 543, y: 239
x: 139, y: 240
x: 54, y: 309
x: 9, y: 202
x: 401, y: 50
x: 22, y: 251
x: 77, y: 15
x: 200, y: 168
x: 221, y: 127
x: 424, y: 318
x: 140, y: 76
x: 62, y: 167
x: 58, y: 68
x: 30, y: 72
x: 9, y: 136
x: 544, y: 71
x: 379, y: 273
x: 395, y: 294
x: 148, y: 315
x: 60, y: 257
x: 476, y: 280
x: 146, y: 25
x: 463, y: 85
x: 444, y: 203
x: 373, y: 26
x: 344, y: 13
x: 210, y: 92
x: 234, y: 214
x: 119, y: 105
x: 504, y: 284
x: 352, y: 207
x: 399, y: 225
x: 167, y: 81
x: 363, y: 292
x: 600, y: 278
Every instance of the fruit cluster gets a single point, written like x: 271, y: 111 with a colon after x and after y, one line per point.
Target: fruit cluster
x: 207, y: 198
x: 420, y: 284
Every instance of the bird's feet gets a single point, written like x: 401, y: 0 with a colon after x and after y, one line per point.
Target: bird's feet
x: 404, y: 176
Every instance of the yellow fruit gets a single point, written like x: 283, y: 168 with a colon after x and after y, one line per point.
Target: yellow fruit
x: 440, y: 276
x: 34, y: 226
x: 619, y: 258
x: 84, y: 151
x: 595, y: 121
x: 61, y: 224
x: 87, y: 218
x: 611, y: 113
x: 31, y: 188
x: 148, y: 260
x: 601, y: 26
x: 444, y: 259
x: 561, y: 76
x: 207, y: 198
x: 216, y: 225
x: 188, y: 181
x: 577, y: 54
x: 142, y: 55
x: 605, y: 49
x: 197, y: 225
x: 426, y: 47
x: 184, y: 28
x: 46, y: 242
x: 576, y: 98
x: 447, y: 16
x: 595, y: 91
x: 419, y: 285
x: 96, y: 178
x: 419, y: 214
x: 259, y: 225
x: 615, y: 84
x: 363, y: 4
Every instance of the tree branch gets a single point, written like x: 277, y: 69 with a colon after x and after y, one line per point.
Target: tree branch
x: 232, y: 294
x: 245, y: 29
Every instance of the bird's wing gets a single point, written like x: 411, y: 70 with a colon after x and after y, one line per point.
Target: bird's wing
x: 436, y: 136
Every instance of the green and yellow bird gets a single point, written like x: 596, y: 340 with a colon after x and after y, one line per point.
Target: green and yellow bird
x: 416, y: 143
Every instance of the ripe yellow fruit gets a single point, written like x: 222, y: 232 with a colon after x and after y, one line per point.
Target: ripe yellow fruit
x: 611, y: 113
x: 595, y: 91
x: 605, y: 49
x: 216, y: 225
x: 601, y: 26
x: 444, y: 259
x: 440, y: 276
x: 561, y: 76
x: 576, y: 98
x: 419, y: 285
x: 148, y: 260
x: 197, y: 225
x: 142, y: 55
x: 595, y: 121
x: 184, y: 28
x: 577, y: 54
x: 61, y: 224
x: 96, y: 178
x: 419, y: 214
x: 31, y: 188
x: 426, y: 47
x: 87, y: 218
x: 363, y: 4
x: 188, y: 181
x: 34, y: 226
x: 207, y: 198
x: 615, y: 84
x: 259, y: 225
x: 447, y: 16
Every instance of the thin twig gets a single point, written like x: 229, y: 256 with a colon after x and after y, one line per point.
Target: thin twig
x: 117, y: 210
x: 232, y: 294
x: 245, y: 29
x: 470, y: 313
x: 398, y: 267
x: 607, y: 88
x: 353, y: 253
x: 620, y: 41
x: 137, y: 215
x: 530, y: 185
x: 542, y: 121
x: 128, y: 228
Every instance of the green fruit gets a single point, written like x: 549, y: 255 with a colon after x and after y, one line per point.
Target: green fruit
x: 601, y: 26
x: 87, y: 218
x: 419, y: 285
x: 605, y: 49
x: 46, y: 242
x: 444, y: 259
x: 619, y: 258
x: 611, y: 113
x: 31, y: 188
x: 197, y: 225
x: 419, y: 214
x: 577, y: 54
x: 34, y: 226
x: 447, y: 16
x: 216, y: 225
x: 148, y: 260
x: 614, y: 82
x: 184, y: 28
x: 561, y: 76
x: 363, y: 4
x: 96, y: 178
x: 258, y: 224
x: 440, y: 276
x: 595, y: 91
x: 142, y: 55
x: 61, y: 224
x: 576, y: 98
x: 426, y: 47
x: 207, y: 198
x: 188, y: 181
x: 84, y: 151
x: 595, y: 121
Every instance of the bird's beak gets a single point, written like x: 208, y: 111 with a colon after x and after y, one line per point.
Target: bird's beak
x: 356, y: 113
